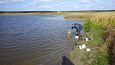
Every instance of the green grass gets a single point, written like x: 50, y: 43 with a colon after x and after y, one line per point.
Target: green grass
x: 101, y: 58
x: 98, y: 54
x: 94, y: 27
x: 88, y: 26
x: 95, y: 31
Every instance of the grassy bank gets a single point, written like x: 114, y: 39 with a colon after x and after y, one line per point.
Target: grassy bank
x: 94, y: 27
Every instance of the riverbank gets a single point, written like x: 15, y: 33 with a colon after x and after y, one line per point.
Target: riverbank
x: 95, y: 27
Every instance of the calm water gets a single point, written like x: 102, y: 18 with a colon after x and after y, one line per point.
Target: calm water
x: 33, y: 39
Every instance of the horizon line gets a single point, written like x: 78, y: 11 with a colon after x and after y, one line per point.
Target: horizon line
x: 63, y: 11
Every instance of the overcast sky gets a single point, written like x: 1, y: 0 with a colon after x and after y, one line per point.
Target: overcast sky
x: 56, y: 5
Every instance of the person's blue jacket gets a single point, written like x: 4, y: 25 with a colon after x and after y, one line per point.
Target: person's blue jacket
x: 77, y: 26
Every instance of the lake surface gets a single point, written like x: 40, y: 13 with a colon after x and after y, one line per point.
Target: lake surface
x: 33, y: 39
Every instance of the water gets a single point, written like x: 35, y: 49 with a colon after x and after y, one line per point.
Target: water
x: 33, y: 39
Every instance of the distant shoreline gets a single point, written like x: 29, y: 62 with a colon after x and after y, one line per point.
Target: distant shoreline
x: 60, y: 11
x: 69, y: 15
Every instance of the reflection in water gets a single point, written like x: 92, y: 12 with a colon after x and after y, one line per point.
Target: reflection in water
x: 66, y: 61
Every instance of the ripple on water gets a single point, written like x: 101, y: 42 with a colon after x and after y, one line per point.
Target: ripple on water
x: 33, y: 39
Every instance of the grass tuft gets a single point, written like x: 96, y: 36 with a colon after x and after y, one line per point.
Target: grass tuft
x: 100, y: 59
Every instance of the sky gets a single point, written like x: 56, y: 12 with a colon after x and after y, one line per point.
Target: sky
x: 56, y: 5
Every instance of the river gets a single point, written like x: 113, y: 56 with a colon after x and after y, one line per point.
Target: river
x: 34, y: 39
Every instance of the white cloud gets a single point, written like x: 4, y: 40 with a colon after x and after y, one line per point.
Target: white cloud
x: 88, y: 1
x: 43, y: 0
x: 85, y: 0
x: 11, y: 1
x: 45, y: 6
x: 47, y: 1
x: 36, y: 2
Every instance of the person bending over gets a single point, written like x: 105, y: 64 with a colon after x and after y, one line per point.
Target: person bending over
x: 78, y: 28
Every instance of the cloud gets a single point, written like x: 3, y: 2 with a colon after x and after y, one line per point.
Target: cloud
x: 10, y: 1
x: 85, y: 0
x: 39, y: 1
x: 45, y: 6
x: 46, y: 2
x: 90, y: 1
x: 43, y: 0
